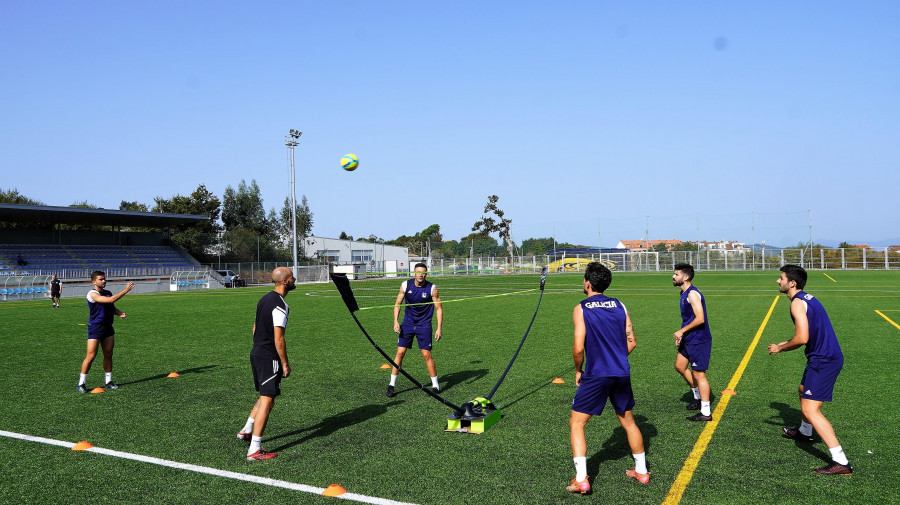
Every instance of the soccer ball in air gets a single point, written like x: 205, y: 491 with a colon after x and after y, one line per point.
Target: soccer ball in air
x: 349, y: 162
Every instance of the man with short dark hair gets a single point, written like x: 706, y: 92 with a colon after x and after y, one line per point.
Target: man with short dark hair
x: 268, y: 359
x: 422, y: 302
x: 604, y: 337
x: 55, y: 291
x: 102, y: 309
x: 694, y: 342
x: 824, y: 361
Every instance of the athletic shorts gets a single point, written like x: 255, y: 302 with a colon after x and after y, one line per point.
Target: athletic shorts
x: 422, y: 334
x: 54, y: 293
x: 697, y: 354
x: 819, y: 378
x: 100, y: 332
x: 267, y: 374
x: 593, y: 392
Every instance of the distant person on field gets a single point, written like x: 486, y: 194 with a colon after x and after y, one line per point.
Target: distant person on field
x: 102, y: 308
x: 604, y: 337
x: 55, y: 291
x: 824, y: 361
x: 694, y: 342
x: 268, y: 359
x: 422, y: 301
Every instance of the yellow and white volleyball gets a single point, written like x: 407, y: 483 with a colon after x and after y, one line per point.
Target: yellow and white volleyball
x: 349, y: 162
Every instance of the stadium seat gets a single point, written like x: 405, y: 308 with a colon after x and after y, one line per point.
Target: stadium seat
x: 3, y: 291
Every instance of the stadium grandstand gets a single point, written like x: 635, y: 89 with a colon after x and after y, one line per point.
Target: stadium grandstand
x: 39, y: 241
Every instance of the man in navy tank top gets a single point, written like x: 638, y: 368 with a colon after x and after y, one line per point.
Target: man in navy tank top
x: 604, y: 338
x: 824, y: 361
x: 422, y: 302
x: 694, y: 342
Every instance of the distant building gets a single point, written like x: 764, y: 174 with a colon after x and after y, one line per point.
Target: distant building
x: 722, y: 245
x: 645, y: 245
x: 893, y: 248
x: 346, y: 252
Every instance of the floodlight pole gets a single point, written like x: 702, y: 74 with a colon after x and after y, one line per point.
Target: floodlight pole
x: 291, y: 141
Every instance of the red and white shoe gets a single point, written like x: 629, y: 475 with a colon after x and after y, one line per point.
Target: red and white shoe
x: 583, y: 487
x: 643, y: 478
x: 244, y: 436
x: 260, y: 454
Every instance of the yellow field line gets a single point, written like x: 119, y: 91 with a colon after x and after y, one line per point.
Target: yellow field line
x: 888, y: 319
x: 690, y: 464
x: 826, y: 275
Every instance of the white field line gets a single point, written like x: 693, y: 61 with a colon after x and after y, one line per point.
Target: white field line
x: 207, y: 470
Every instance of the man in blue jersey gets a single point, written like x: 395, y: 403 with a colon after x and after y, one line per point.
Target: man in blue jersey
x: 102, y: 309
x: 824, y: 361
x: 604, y: 337
x: 694, y: 342
x: 268, y: 359
x: 422, y: 302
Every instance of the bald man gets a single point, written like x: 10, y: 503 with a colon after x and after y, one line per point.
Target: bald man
x: 268, y: 359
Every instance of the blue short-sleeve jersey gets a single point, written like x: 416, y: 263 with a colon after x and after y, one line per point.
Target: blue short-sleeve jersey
x: 605, y: 342
x: 700, y: 334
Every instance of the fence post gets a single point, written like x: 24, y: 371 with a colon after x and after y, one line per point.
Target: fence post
x: 865, y: 263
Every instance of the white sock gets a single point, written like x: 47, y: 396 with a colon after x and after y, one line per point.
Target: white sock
x: 248, y: 428
x: 393, y: 380
x: 704, y: 408
x: 108, y: 377
x: 837, y: 454
x: 580, y: 468
x: 640, y: 462
x: 696, y: 392
x: 255, y: 443
x: 434, y: 382
x: 805, y: 428
x: 82, y: 379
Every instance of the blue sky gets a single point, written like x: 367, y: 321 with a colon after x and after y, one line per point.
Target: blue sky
x: 593, y: 121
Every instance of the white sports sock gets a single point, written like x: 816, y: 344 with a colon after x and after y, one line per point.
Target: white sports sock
x: 640, y: 462
x: 393, y: 380
x: 82, y: 379
x: 248, y: 428
x: 704, y: 409
x: 434, y: 382
x: 805, y: 428
x: 696, y: 392
x: 580, y: 468
x: 108, y: 377
x: 255, y: 443
x: 837, y: 454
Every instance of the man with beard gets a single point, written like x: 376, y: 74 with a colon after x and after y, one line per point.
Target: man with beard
x: 268, y: 358
x: 694, y: 342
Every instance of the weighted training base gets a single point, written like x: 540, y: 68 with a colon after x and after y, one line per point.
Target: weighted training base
x: 479, y: 415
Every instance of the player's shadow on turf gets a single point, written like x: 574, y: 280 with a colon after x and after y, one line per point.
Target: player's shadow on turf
x: 454, y: 378
x: 790, y: 416
x: 329, y: 425
x: 199, y: 369
x: 689, y: 397
x: 616, y: 446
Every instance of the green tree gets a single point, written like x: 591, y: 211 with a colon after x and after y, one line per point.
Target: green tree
x: 685, y: 246
x: 200, y: 238
x: 499, y: 225
x: 13, y: 196
x: 659, y: 247
x: 536, y: 246
x: 133, y: 206
x: 846, y: 245
x: 244, y: 208
x: 304, y: 225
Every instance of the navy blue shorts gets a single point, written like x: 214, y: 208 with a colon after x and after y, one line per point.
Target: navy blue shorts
x: 593, y: 392
x: 100, y: 332
x: 422, y: 334
x: 267, y: 375
x: 697, y: 354
x: 819, y: 378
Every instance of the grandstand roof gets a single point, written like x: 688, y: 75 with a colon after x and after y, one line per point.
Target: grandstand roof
x: 47, y: 215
